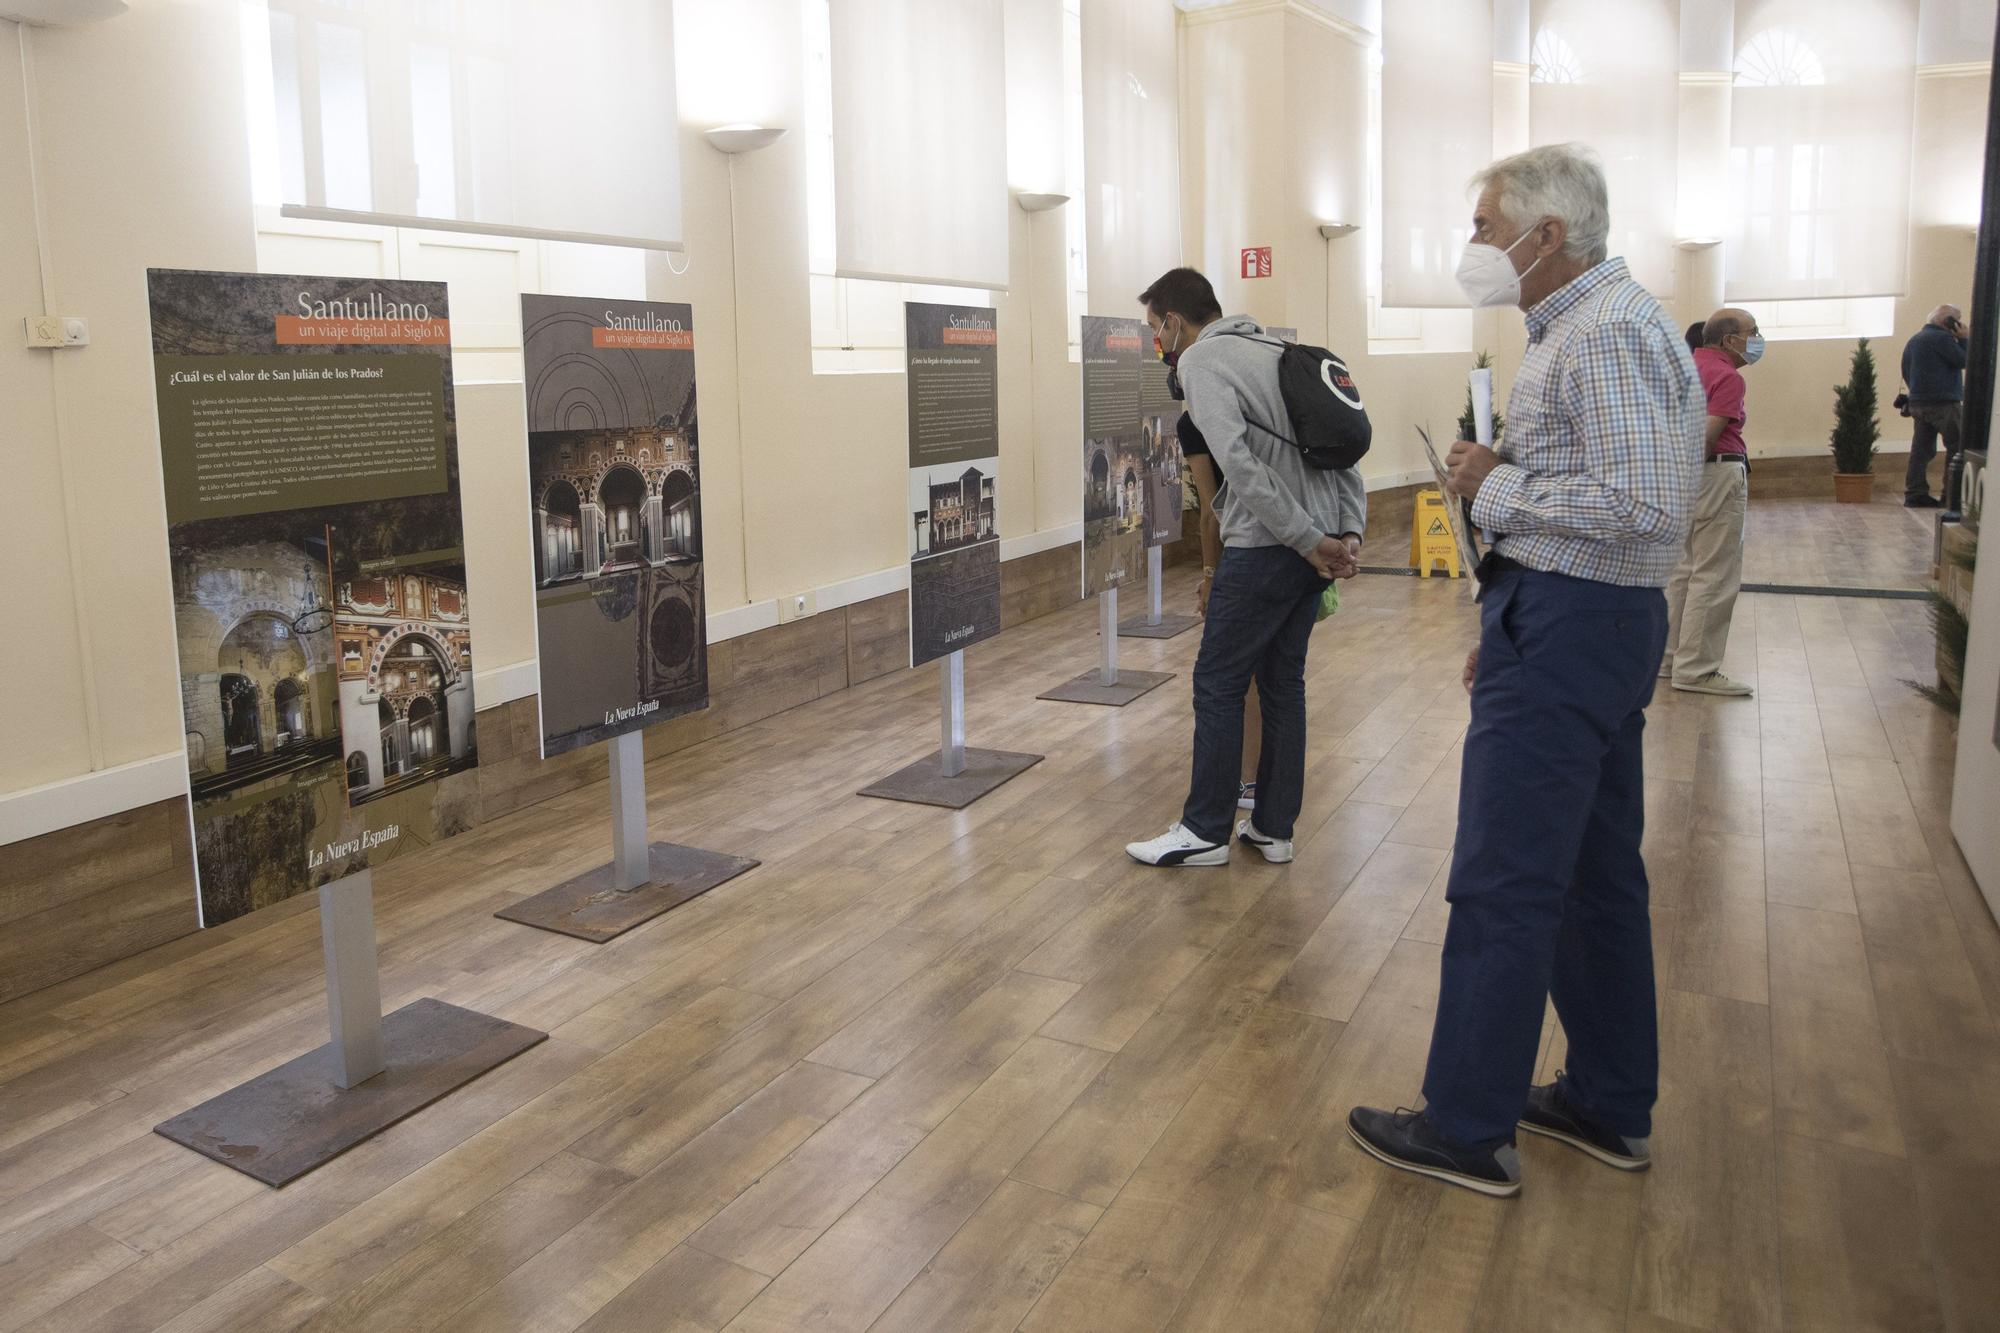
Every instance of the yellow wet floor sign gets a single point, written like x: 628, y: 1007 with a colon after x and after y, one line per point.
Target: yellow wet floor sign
x: 1430, y: 537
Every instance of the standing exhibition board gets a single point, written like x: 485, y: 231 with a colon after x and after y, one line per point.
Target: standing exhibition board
x: 952, y: 360
x: 614, y: 477
x: 1132, y: 491
x: 310, y: 464
x: 1114, y: 450
x: 954, y: 405
x: 621, y: 629
x: 310, y: 459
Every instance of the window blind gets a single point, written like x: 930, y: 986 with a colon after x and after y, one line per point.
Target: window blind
x: 513, y: 117
x: 1609, y: 76
x: 1437, y: 130
x: 1131, y: 149
x: 1818, y: 191
x: 920, y: 141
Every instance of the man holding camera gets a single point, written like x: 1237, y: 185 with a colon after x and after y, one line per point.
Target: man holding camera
x: 1934, y: 371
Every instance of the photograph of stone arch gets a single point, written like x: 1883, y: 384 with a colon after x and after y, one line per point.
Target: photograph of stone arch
x: 257, y: 669
x: 952, y: 506
x: 614, y: 484
x: 1114, y: 509
x: 403, y: 638
x: 1161, y: 447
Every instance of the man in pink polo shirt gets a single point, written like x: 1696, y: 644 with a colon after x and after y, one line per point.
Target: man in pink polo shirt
x: 1701, y: 598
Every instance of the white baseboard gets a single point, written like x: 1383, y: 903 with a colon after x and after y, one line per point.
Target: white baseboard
x: 78, y: 800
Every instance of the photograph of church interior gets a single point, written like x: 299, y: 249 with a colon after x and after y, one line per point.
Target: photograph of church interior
x: 256, y: 671
x: 611, y: 500
x: 952, y: 506
x: 1529, y: 969
x: 404, y: 640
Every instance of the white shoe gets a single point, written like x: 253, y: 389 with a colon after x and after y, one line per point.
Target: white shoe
x: 1715, y: 683
x: 1178, y: 847
x: 1246, y: 796
x: 1275, y: 850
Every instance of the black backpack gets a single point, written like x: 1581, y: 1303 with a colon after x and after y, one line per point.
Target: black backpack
x: 1329, y: 425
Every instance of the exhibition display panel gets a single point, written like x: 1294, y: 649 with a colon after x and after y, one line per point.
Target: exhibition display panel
x: 310, y: 465
x: 954, y: 538
x: 614, y: 484
x: 1132, y: 471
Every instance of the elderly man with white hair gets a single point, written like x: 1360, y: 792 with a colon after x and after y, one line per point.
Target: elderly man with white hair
x: 1587, y: 508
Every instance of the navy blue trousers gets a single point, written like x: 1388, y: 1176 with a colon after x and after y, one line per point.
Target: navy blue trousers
x: 1261, y: 608
x: 1548, y: 889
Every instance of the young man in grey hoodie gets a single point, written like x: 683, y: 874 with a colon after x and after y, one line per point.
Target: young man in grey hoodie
x: 1287, y: 530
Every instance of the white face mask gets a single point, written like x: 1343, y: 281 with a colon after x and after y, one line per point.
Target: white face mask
x: 1487, y: 275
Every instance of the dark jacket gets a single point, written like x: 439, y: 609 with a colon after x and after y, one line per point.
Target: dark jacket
x: 1934, y: 367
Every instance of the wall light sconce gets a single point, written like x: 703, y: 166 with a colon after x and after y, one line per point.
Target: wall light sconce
x: 1698, y: 242
x: 1032, y: 202
x: 743, y: 137
x: 1335, y: 230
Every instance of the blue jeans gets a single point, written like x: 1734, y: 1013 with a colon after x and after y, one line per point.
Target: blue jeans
x: 1548, y: 889
x: 1261, y: 607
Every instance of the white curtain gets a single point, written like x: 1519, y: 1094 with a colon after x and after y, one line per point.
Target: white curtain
x: 920, y: 141
x: 1035, y: 95
x: 1608, y: 75
x: 514, y: 117
x: 1131, y: 149
x: 1437, y: 130
x: 1819, y: 150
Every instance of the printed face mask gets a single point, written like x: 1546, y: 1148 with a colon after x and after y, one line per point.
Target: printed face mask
x: 1170, y: 355
x: 1487, y: 276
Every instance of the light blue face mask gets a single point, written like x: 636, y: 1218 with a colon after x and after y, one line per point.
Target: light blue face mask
x: 1753, y: 349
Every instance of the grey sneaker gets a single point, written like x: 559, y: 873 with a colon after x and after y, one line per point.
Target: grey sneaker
x: 1405, y: 1140
x: 1550, y: 1114
x: 1715, y: 683
x: 1275, y: 850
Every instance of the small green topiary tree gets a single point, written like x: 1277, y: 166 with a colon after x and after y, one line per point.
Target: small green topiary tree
x: 1855, y: 428
x: 1483, y: 361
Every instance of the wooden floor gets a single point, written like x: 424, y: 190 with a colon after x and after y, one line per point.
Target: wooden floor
x: 1811, y: 543
x: 932, y: 1070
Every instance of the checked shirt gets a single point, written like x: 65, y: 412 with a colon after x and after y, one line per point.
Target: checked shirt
x: 1602, y: 456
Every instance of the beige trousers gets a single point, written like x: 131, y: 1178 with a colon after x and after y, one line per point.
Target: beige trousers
x: 1702, y: 594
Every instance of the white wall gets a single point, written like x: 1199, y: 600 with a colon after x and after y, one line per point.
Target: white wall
x: 139, y: 141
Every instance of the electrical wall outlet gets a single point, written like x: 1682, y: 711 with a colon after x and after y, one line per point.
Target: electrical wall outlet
x: 797, y: 606
x: 57, y: 331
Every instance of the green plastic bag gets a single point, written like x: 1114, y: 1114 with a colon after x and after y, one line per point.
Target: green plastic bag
x: 1329, y: 602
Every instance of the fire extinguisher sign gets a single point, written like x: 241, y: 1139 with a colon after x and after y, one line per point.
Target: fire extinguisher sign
x: 1257, y: 261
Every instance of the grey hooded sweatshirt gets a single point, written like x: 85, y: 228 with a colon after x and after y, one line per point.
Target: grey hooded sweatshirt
x: 1272, y: 496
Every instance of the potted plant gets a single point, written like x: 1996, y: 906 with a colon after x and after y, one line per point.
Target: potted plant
x: 1855, y: 431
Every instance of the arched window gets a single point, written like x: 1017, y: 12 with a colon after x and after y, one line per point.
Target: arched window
x: 1553, y: 59
x: 1778, y: 58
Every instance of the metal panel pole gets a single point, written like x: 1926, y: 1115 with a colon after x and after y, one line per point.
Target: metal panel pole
x: 951, y: 700
x: 353, y: 985
x: 1107, y: 636
x: 629, y: 858
x: 1154, y: 578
